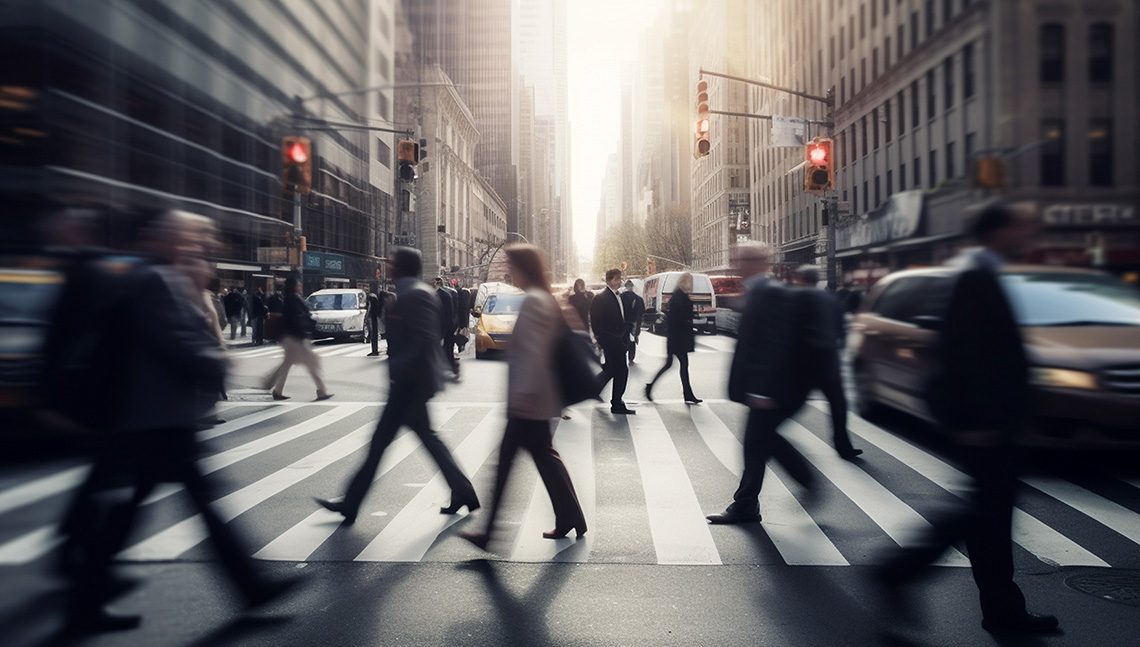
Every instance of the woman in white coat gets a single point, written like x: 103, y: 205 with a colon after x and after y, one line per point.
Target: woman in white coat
x: 533, y: 397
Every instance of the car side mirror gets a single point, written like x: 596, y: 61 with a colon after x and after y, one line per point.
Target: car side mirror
x: 928, y: 322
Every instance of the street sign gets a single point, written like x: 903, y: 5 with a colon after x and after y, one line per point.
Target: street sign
x: 788, y: 132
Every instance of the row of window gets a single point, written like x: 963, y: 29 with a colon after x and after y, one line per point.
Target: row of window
x: 1051, y: 46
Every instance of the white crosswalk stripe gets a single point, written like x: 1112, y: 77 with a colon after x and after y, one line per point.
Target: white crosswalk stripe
x: 666, y: 517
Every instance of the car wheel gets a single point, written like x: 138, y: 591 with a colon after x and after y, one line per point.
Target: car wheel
x: 866, y: 405
x: 480, y: 354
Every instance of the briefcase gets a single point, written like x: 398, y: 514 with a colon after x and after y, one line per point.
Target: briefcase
x: 580, y: 373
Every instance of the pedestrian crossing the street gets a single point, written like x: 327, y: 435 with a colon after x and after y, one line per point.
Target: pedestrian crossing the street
x: 645, y: 483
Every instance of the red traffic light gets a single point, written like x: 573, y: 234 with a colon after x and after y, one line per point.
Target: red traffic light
x: 819, y: 174
x: 297, y: 153
x: 817, y: 155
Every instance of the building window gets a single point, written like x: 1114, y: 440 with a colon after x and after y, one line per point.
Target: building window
x: 929, y: 18
x: 383, y: 153
x: 913, y: 30
x: 863, y: 148
x: 899, y: 42
x: 902, y: 176
x: 875, y: 128
x: 890, y: 182
x: 914, y: 104
x: 886, y: 8
x: 902, y: 113
x: 382, y: 107
x: 887, y: 121
x: 887, y: 54
x: 841, y: 41
x: 918, y: 172
x: 1053, y: 152
x: 971, y: 145
x: 947, y: 11
x: 948, y: 82
x: 1101, y: 39
x: 862, y: 72
x: 866, y: 197
x: 930, y: 108
x: 950, y: 167
x: 855, y: 198
x: 842, y: 90
x: 874, y: 16
x: 968, y: 71
x: 875, y: 63
x: 878, y: 195
x: 1051, y: 43
x: 1100, y: 152
x: 862, y: 21
x: 831, y: 52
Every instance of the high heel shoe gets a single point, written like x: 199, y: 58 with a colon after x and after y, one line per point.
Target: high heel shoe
x: 472, y: 505
x: 692, y: 399
x: 649, y: 392
x: 561, y: 531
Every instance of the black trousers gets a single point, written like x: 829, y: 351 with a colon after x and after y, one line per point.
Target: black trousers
x: 617, y: 370
x: 829, y: 379
x: 985, y: 521
x: 449, y: 352
x: 636, y: 334
x: 762, y: 442
x: 406, y: 409
x: 258, y: 324
x: 535, y: 437
x: 375, y: 335
x: 683, y: 360
x: 158, y: 456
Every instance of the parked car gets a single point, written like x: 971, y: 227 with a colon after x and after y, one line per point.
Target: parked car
x: 496, y: 310
x: 340, y: 314
x: 1082, y: 336
x: 658, y: 290
x: 729, y: 291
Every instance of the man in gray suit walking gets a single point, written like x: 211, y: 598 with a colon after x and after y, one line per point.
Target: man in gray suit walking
x: 414, y: 336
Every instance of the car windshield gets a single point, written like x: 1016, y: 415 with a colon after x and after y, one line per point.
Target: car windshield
x: 346, y: 301
x: 26, y: 301
x: 1057, y: 299
x: 503, y: 304
x: 701, y: 283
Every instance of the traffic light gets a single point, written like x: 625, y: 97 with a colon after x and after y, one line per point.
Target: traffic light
x: 407, y: 156
x: 703, y: 143
x: 297, y: 163
x: 989, y: 173
x: 819, y: 173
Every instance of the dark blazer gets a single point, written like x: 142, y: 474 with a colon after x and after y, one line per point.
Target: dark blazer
x: 173, y: 360
x: 462, y: 308
x: 260, y: 310
x: 581, y: 302
x: 679, y: 336
x: 768, y: 344
x: 375, y: 306
x: 985, y: 374
x: 634, y: 309
x: 274, y: 303
x: 823, y: 319
x: 296, y: 320
x: 415, y: 350
x: 234, y: 303
x: 607, y: 322
x: 447, y: 311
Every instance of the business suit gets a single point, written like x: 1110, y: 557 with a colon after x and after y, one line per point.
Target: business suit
x: 634, y: 311
x: 765, y: 363
x: 984, y: 387
x: 532, y: 400
x: 447, y: 303
x: 680, y: 340
x: 375, y: 312
x: 415, y: 375
x: 608, y: 323
x: 166, y: 376
x: 823, y: 328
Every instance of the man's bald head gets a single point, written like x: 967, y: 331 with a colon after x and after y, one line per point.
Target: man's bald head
x: 752, y: 258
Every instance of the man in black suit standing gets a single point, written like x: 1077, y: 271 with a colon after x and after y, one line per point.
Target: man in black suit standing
x: 375, y: 313
x: 767, y: 377
x: 414, y: 370
x: 634, y: 307
x: 608, y: 321
x: 982, y: 395
x: 447, y: 302
x: 824, y: 324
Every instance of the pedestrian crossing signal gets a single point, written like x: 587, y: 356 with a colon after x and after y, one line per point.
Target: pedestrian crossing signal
x: 297, y: 164
x: 819, y: 172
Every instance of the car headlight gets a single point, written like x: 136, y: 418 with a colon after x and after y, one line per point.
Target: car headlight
x: 1061, y: 378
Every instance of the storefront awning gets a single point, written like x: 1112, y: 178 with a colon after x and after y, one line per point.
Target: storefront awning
x: 238, y: 267
x: 908, y: 243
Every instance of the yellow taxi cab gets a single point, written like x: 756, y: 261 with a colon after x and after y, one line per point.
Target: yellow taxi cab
x: 496, y: 310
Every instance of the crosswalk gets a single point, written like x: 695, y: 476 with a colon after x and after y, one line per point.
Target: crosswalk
x: 645, y: 483
x: 274, y: 351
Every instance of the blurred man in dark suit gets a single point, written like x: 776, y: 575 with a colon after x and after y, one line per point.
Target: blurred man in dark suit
x: 634, y: 307
x: 415, y: 375
x: 447, y: 302
x: 767, y: 377
x: 982, y: 395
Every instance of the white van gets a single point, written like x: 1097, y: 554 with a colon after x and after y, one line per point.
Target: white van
x: 341, y: 314
x: 659, y: 288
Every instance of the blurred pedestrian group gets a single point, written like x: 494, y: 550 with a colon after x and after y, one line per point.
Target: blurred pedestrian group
x: 147, y: 405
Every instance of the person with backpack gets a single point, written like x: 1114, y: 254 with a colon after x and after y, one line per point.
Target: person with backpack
x: 534, y: 396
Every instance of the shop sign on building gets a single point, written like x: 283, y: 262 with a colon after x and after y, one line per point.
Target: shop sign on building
x: 1090, y: 215
x: 900, y: 219
x: 321, y: 262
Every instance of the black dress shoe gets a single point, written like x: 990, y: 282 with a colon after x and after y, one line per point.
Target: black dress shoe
x: 100, y: 621
x: 622, y: 411
x: 850, y: 454
x: 269, y: 591
x: 649, y: 392
x: 692, y: 399
x: 338, y: 506
x: 1026, y: 623
x: 373, y: 354
x: 561, y: 531
x: 472, y: 505
x: 730, y: 517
